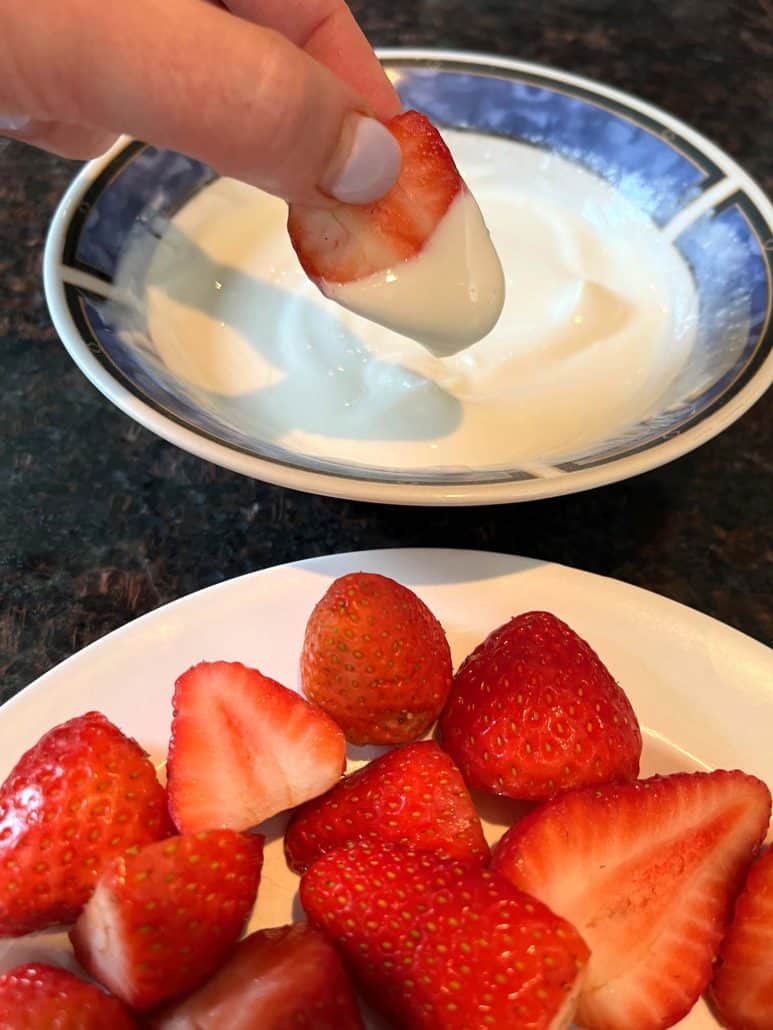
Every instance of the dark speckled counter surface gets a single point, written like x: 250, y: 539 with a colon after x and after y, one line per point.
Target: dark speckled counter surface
x: 100, y: 521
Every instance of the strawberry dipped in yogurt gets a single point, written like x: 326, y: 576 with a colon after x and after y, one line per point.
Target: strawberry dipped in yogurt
x: 419, y: 261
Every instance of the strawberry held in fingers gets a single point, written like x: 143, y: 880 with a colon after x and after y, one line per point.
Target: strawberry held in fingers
x: 533, y: 711
x: 81, y: 795
x: 376, y: 659
x: 436, y: 945
x: 163, y: 917
x: 412, y: 795
x: 244, y: 747
x: 281, y: 979
x: 420, y: 260
x: 648, y: 873
x: 43, y: 997
x: 742, y: 991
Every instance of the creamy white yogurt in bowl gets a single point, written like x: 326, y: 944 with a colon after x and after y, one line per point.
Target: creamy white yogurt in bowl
x: 636, y: 259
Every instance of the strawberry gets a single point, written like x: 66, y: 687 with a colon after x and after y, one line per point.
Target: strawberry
x: 163, y: 917
x: 80, y: 796
x: 244, y: 747
x: 275, y: 980
x: 346, y: 242
x: 42, y: 997
x: 376, y: 658
x: 647, y: 872
x: 742, y: 991
x: 533, y: 712
x: 438, y: 945
x: 413, y: 795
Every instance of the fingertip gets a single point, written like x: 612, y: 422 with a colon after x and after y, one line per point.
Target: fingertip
x: 366, y: 163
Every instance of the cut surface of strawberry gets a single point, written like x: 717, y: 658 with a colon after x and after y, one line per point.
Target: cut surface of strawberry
x: 742, y: 991
x: 647, y: 872
x: 376, y: 659
x: 435, y: 944
x: 533, y: 711
x: 163, y: 917
x: 349, y: 242
x: 83, y: 794
x: 275, y: 979
x: 42, y: 997
x: 244, y: 748
x: 412, y: 795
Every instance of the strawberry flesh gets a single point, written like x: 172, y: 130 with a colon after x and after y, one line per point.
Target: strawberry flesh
x: 412, y: 795
x: 742, y: 991
x: 346, y: 242
x: 437, y: 945
x: 647, y: 872
x: 275, y: 979
x: 42, y: 997
x: 163, y: 917
x: 376, y: 659
x: 79, y: 797
x: 244, y: 748
x: 533, y: 711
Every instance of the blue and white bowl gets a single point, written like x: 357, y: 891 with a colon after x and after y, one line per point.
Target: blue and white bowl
x: 716, y: 217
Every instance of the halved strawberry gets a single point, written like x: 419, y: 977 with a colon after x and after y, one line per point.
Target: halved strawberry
x: 276, y: 979
x: 83, y: 794
x: 376, y: 659
x: 436, y: 945
x: 163, y: 917
x: 244, y: 747
x: 349, y: 242
x: 43, y: 997
x: 413, y: 795
x: 742, y: 991
x: 533, y: 711
x: 647, y: 872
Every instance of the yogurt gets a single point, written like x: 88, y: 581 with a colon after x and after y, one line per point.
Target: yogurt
x: 598, y: 320
x: 448, y: 296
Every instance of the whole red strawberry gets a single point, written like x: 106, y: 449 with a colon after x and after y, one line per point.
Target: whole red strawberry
x: 412, y: 795
x: 376, y: 659
x: 437, y: 945
x: 647, y: 872
x: 281, y: 979
x: 83, y: 794
x: 163, y: 917
x: 742, y: 991
x: 533, y: 712
x: 42, y: 997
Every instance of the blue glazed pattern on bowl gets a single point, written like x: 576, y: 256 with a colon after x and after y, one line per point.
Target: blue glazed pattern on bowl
x: 650, y: 164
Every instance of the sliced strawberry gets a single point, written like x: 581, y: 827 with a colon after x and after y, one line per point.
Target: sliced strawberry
x: 376, y: 659
x: 163, y: 917
x: 533, y: 711
x: 275, y: 980
x: 413, y: 795
x: 647, y: 872
x: 348, y: 242
x: 742, y: 991
x: 83, y: 794
x: 42, y: 997
x: 244, y: 747
x: 437, y: 945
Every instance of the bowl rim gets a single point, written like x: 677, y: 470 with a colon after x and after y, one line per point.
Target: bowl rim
x: 554, y: 481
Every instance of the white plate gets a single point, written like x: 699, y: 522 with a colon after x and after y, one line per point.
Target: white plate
x: 703, y: 692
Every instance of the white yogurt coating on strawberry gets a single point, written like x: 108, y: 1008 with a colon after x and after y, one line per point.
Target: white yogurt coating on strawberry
x: 598, y: 323
x: 448, y: 296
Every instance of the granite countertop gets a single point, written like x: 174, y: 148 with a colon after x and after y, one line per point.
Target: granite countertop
x: 100, y: 521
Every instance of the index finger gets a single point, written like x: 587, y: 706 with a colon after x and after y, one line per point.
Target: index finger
x: 328, y: 32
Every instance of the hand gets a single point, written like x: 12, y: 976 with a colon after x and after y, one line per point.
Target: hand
x: 283, y: 94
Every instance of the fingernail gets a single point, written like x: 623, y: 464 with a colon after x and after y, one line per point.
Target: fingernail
x: 13, y: 122
x: 366, y: 163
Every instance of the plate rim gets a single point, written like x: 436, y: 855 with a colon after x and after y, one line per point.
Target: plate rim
x: 724, y: 632
x: 333, y: 485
